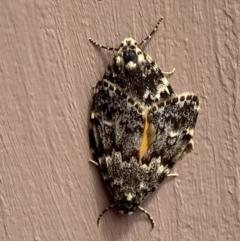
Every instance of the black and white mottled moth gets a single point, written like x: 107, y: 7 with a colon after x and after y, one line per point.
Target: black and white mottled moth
x: 139, y: 127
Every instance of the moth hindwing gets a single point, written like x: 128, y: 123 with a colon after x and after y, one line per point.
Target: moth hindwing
x: 138, y: 126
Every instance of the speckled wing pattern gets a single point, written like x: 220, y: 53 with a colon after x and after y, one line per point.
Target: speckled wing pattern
x: 138, y: 126
x: 115, y: 115
x: 123, y: 124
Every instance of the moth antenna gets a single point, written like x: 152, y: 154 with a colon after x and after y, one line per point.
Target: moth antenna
x: 101, y: 46
x: 104, y: 211
x: 149, y: 216
x: 153, y: 31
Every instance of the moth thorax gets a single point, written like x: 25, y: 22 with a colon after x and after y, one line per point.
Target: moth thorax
x: 127, y: 59
x: 130, y: 59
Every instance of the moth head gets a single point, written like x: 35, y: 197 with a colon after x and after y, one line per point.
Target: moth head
x: 128, y: 203
x: 129, y: 55
x: 127, y: 207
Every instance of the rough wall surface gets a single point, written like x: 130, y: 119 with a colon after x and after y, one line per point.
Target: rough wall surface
x: 48, y: 190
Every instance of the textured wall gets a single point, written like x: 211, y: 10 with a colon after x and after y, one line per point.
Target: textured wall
x: 48, y: 189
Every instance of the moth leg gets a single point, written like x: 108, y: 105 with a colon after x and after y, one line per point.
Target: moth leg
x: 94, y: 162
x: 172, y: 175
x: 94, y: 87
x: 104, y: 211
x: 168, y: 73
x: 93, y: 145
x: 101, y: 46
x: 149, y: 216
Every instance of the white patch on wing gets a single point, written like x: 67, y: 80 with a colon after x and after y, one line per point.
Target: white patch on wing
x: 141, y: 59
x: 160, y: 169
x: 130, y: 65
x: 146, y: 94
x: 119, y: 60
x: 129, y: 196
x: 108, y: 123
x: 173, y: 134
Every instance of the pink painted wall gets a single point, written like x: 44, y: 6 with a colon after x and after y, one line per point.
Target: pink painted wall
x: 48, y: 189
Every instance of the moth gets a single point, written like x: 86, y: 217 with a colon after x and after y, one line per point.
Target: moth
x: 139, y: 127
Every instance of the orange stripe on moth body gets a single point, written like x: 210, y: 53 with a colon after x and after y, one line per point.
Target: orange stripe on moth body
x: 147, y: 138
